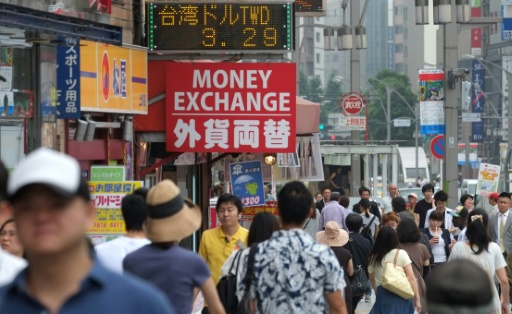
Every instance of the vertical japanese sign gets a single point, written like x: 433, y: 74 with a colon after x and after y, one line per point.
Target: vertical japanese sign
x: 477, y: 99
x: 247, y: 182
x: 107, y: 198
x: 488, y: 179
x: 235, y: 107
x: 68, y: 82
x: 431, y: 84
x: 507, y: 65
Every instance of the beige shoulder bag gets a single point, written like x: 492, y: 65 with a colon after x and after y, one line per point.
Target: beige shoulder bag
x: 395, y: 280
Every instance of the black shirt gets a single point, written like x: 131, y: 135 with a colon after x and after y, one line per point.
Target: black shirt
x: 422, y: 207
x: 320, y: 205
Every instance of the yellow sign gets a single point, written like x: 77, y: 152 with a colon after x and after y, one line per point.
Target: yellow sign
x: 113, y: 78
x: 107, y: 198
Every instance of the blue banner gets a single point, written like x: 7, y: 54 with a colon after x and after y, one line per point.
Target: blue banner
x: 247, y: 182
x: 68, y: 82
x: 477, y: 99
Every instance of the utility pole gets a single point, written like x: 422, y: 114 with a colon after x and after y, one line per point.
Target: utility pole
x: 355, y: 72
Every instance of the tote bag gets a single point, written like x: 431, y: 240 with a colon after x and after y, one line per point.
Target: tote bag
x: 395, y: 280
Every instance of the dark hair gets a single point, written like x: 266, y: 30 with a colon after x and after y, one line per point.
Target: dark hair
x: 441, y: 196
x: 464, y: 198
x: 354, y: 222
x: 504, y: 194
x: 326, y: 188
x: 398, y: 204
x: 143, y: 192
x: 4, y: 177
x: 230, y: 198
x: 218, y: 190
x: 476, y: 231
x: 344, y: 201
x: 8, y: 221
x: 135, y: 211
x: 436, y: 216
x: 385, y: 241
x: 363, y: 189
x: 365, y: 204
x: 262, y: 227
x: 428, y: 187
x: 294, y: 203
x: 318, y: 193
x: 408, y: 232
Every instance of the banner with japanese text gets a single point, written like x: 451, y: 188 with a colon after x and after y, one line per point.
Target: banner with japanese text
x: 233, y: 107
x: 431, y: 83
x: 477, y: 99
x: 107, y: 197
x: 247, y: 214
x: 247, y: 182
x: 488, y: 179
x: 68, y: 82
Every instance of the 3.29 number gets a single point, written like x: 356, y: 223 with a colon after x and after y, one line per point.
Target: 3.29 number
x: 250, y: 35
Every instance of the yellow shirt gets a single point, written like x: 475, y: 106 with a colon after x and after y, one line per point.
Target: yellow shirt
x: 215, y: 248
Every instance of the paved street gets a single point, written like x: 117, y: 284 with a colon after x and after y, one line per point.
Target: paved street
x: 365, y: 307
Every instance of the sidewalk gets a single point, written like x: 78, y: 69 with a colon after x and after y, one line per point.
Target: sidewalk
x: 365, y: 307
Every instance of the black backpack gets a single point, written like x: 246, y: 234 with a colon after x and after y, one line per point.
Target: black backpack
x: 367, y: 230
x: 226, y: 288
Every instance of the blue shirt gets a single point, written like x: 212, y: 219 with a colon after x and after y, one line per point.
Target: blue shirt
x: 175, y: 271
x: 101, y: 292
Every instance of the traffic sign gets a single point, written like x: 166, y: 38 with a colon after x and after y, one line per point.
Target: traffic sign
x: 352, y: 103
x: 437, y: 147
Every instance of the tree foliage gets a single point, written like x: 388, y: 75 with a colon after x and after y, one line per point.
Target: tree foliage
x: 399, y: 85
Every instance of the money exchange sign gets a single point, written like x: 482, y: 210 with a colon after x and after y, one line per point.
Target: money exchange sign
x: 233, y: 107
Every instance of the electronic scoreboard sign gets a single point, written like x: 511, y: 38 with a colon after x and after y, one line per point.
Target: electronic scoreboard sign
x: 225, y: 26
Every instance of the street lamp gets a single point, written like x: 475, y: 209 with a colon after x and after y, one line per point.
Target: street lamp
x: 443, y: 14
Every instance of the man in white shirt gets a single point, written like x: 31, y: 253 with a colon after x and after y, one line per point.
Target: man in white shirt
x: 440, y: 199
x: 135, y: 210
x: 386, y: 201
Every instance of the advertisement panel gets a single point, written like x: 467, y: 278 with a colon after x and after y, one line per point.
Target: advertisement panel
x: 231, y: 107
x: 247, y: 214
x: 488, y: 179
x: 477, y: 99
x: 107, y: 197
x: 107, y: 173
x: 507, y: 65
x: 68, y: 82
x: 473, y: 154
x: 247, y: 182
x: 113, y: 78
x: 431, y: 83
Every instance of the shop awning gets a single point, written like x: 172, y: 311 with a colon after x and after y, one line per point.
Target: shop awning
x: 308, y: 113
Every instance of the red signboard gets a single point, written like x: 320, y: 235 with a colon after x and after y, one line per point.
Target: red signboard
x: 231, y: 107
x: 352, y: 104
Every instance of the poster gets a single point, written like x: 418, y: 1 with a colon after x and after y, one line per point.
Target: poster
x: 247, y: 214
x: 107, y: 173
x: 6, y: 81
x: 247, y: 182
x: 431, y: 83
x: 477, y: 99
x: 6, y: 104
x: 488, y: 179
x: 107, y: 197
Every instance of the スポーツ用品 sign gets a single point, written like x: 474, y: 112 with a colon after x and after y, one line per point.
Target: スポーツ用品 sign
x: 68, y: 82
x: 226, y: 107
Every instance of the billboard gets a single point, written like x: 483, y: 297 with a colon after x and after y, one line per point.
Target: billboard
x: 477, y: 99
x: 431, y: 84
x: 113, y: 78
x: 231, y: 107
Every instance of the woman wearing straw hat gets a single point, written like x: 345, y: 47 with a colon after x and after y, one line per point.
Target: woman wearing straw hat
x: 336, y: 238
x: 175, y: 270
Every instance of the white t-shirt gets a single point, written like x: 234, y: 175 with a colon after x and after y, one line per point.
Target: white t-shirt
x: 10, y: 266
x: 112, y: 253
x: 401, y: 260
x: 490, y: 261
x: 447, y: 218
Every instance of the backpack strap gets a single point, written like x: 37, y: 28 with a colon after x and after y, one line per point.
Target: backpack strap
x: 236, y: 261
x: 371, y: 221
x: 249, y: 274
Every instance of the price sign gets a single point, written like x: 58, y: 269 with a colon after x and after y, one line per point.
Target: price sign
x: 224, y: 26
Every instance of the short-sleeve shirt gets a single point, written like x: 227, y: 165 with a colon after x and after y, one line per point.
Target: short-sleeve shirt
x: 215, y: 248
x: 112, y: 253
x: 375, y: 223
x: 292, y: 274
x: 101, y: 292
x: 402, y: 260
x: 421, y: 208
x: 490, y: 261
x: 176, y: 271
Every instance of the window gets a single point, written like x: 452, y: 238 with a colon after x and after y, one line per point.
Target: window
x: 317, y: 37
x: 405, y: 14
x: 406, y: 33
x: 399, y: 67
x: 406, y: 51
x: 317, y: 58
x: 399, y: 48
x: 399, y: 29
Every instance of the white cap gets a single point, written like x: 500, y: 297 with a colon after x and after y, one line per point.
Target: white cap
x: 48, y: 167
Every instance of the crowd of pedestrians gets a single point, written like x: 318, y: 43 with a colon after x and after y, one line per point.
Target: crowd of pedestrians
x: 317, y: 256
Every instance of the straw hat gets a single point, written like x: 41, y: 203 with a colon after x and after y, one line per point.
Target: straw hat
x: 170, y: 217
x: 332, y: 235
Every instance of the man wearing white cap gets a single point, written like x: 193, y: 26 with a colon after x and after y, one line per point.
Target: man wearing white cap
x: 52, y: 211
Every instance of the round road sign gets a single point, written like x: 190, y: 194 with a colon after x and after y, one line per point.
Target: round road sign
x: 437, y: 147
x: 352, y: 104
